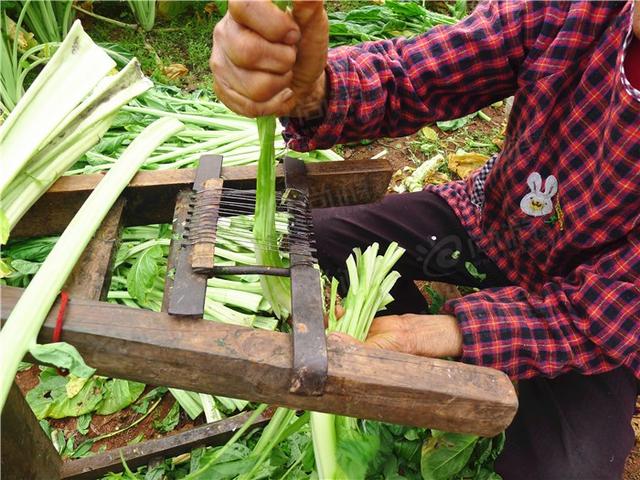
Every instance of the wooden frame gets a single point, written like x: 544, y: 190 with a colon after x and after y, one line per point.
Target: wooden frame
x: 160, y: 349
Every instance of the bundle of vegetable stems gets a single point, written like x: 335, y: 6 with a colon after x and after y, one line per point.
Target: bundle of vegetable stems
x: 370, y: 280
x: 67, y: 109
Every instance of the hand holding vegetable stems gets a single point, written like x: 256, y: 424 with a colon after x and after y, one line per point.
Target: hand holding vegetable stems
x: 269, y: 62
x: 425, y: 335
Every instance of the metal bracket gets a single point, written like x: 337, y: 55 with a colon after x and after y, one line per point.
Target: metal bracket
x: 310, y: 363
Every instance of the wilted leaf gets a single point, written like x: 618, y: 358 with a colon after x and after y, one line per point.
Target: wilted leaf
x: 74, y: 385
x: 175, y: 70
x: 62, y: 355
x: 429, y: 134
x: 463, y: 163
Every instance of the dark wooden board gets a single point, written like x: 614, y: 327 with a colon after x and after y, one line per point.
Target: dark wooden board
x: 158, y: 349
x: 187, y: 290
x: 211, y: 434
x: 92, y: 274
x: 151, y: 194
x: 26, y: 452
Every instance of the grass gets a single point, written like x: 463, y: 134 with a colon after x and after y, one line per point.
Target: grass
x: 184, y: 40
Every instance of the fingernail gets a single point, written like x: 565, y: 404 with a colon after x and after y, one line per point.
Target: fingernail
x: 293, y: 36
x: 287, y: 94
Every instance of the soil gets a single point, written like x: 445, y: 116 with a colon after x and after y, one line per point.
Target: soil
x: 105, y: 424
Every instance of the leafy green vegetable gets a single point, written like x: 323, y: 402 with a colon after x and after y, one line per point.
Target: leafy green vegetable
x: 119, y: 394
x: 444, y: 455
x: 473, y: 271
x: 170, y: 421
x: 82, y: 423
x: 386, y: 20
x: 144, y: 273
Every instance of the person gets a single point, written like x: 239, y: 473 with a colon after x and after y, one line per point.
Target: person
x: 548, y: 229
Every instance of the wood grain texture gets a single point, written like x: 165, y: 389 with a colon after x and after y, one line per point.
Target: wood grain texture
x: 211, y: 434
x: 91, y: 276
x: 151, y: 194
x: 158, y: 349
x: 26, y: 451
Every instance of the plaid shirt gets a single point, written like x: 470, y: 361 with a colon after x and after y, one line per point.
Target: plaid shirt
x: 568, y: 236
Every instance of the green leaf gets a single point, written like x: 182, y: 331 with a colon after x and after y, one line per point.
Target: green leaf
x: 455, y: 124
x: 142, y: 405
x: 82, y: 450
x: 82, y: 423
x: 137, y: 440
x: 62, y: 355
x: 25, y: 267
x: 473, y: 271
x: 51, y: 387
x: 169, y: 422
x: 5, y: 270
x: 84, y: 402
x: 119, y: 394
x: 446, y: 454
x: 143, y: 273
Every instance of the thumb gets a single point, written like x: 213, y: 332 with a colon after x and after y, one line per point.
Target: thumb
x: 344, y: 339
x: 386, y: 341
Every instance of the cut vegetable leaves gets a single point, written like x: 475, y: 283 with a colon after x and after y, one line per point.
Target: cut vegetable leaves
x: 21, y: 328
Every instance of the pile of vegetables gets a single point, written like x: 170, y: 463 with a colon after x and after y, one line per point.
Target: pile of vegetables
x: 388, y: 19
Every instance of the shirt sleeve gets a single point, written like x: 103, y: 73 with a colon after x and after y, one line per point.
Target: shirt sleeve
x: 589, y: 321
x: 393, y: 87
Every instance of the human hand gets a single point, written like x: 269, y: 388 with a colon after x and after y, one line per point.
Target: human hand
x: 269, y: 62
x: 425, y: 335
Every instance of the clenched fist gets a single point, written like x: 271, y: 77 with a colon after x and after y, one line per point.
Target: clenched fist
x: 269, y: 62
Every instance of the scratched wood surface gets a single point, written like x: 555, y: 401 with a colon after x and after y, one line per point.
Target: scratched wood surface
x: 158, y: 349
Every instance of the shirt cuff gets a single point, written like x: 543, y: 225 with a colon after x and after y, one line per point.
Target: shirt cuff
x: 499, y: 331
x: 325, y: 129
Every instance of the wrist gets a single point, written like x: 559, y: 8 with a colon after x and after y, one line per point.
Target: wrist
x: 440, y: 336
x: 311, y: 101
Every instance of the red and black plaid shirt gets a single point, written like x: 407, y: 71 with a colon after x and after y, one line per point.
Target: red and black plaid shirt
x: 575, y: 303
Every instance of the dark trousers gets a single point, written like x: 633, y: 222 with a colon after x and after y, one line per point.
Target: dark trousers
x: 570, y: 427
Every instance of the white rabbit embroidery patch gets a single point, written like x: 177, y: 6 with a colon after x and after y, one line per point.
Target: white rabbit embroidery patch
x: 538, y: 203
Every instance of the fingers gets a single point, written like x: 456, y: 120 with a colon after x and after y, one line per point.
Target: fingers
x: 279, y: 105
x: 246, y: 49
x: 265, y: 19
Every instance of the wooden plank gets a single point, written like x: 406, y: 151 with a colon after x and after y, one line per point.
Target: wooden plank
x: 151, y: 194
x: 185, y: 293
x: 238, y: 362
x: 211, y: 434
x: 188, y: 289
x: 206, y: 214
x: 92, y: 274
x: 26, y: 451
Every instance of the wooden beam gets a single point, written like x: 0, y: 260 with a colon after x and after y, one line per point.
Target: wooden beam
x: 92, y: 274
x: 140, y: 454
x: 158, y: 349
x: 151, y: 194
x: 27, y: 453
